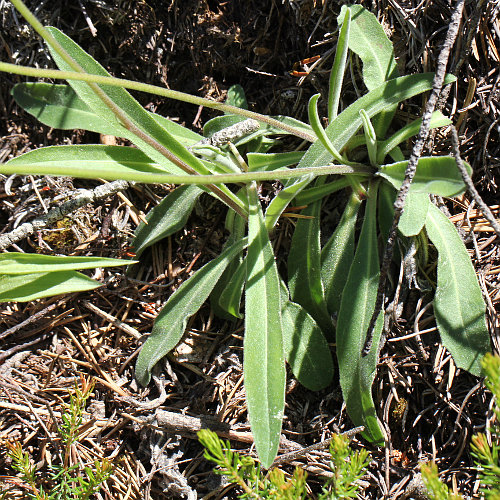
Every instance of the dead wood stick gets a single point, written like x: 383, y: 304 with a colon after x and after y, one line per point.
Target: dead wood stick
x: 58, y: 213
x: 485, y: 209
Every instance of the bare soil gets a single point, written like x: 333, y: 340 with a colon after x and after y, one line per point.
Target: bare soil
x: 429, y: 407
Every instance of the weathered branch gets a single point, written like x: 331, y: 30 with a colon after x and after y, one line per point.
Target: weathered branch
x: 470, y: 185
x: 58, y: 213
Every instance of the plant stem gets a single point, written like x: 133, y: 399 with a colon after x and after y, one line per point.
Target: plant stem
x: 152, y: 178
x: 152, y: 89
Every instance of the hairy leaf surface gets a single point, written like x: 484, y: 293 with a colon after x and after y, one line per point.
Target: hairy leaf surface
x: 183, y: 303
x: 458, y: 302
x: 167, y: 217
x: 263, y: 361
x: 358, y: 301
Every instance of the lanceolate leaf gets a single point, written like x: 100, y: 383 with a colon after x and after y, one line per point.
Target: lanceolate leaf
x: 25, y: 287
x: 282, y: 200
x: 59, y: 106
x: 263, y: 361
x: 126, y: 103
x: 338, y: 67
x: 186, y: 300
x: 304, y: 269
x: 90, y: 161
x: 458, y: 302
x: 413, y: 219
x: 24, y: 263
x: 337, y: 255
x: 120, y: 109
x: 306, y: 348
x: 435, y: 175
x: 358, y: 300
x: 369, y: 41
x: 166, y: 218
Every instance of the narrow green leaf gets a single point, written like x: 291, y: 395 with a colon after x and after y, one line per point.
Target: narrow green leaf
x: 272, y: 161
x: 370, y: 136
x: 338, y: 67
x: 347, y: 123
x: 435, y: 175
x: 458, y: 302
x: 166, y: 218
x: 369, y: 41
x: 337, y: 255
x: 183, y: 303
x: 415, y: 213
x: 386, y: 198
x: 306, y: 348
x: 304, y: 269
x: 127, y: 104
x: 60, y: 107
x: 263, y: 362
x: 90, y: 161
x: 24, y: 263
x: 230, y: 298
x: 283, y: 199
x: 312, y: 111
x: 403, y: 134
x: 26, y: 287
x: 358, y: 301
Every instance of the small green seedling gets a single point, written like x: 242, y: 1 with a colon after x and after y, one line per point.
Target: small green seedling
x: 67, y: 480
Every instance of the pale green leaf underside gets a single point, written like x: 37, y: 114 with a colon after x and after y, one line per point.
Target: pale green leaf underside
x: 263, y: 362
x: 437, y: 175
x: 26, y: 287
x: 183, y: 303
x: 458, y: 302
x: 24, y: 263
